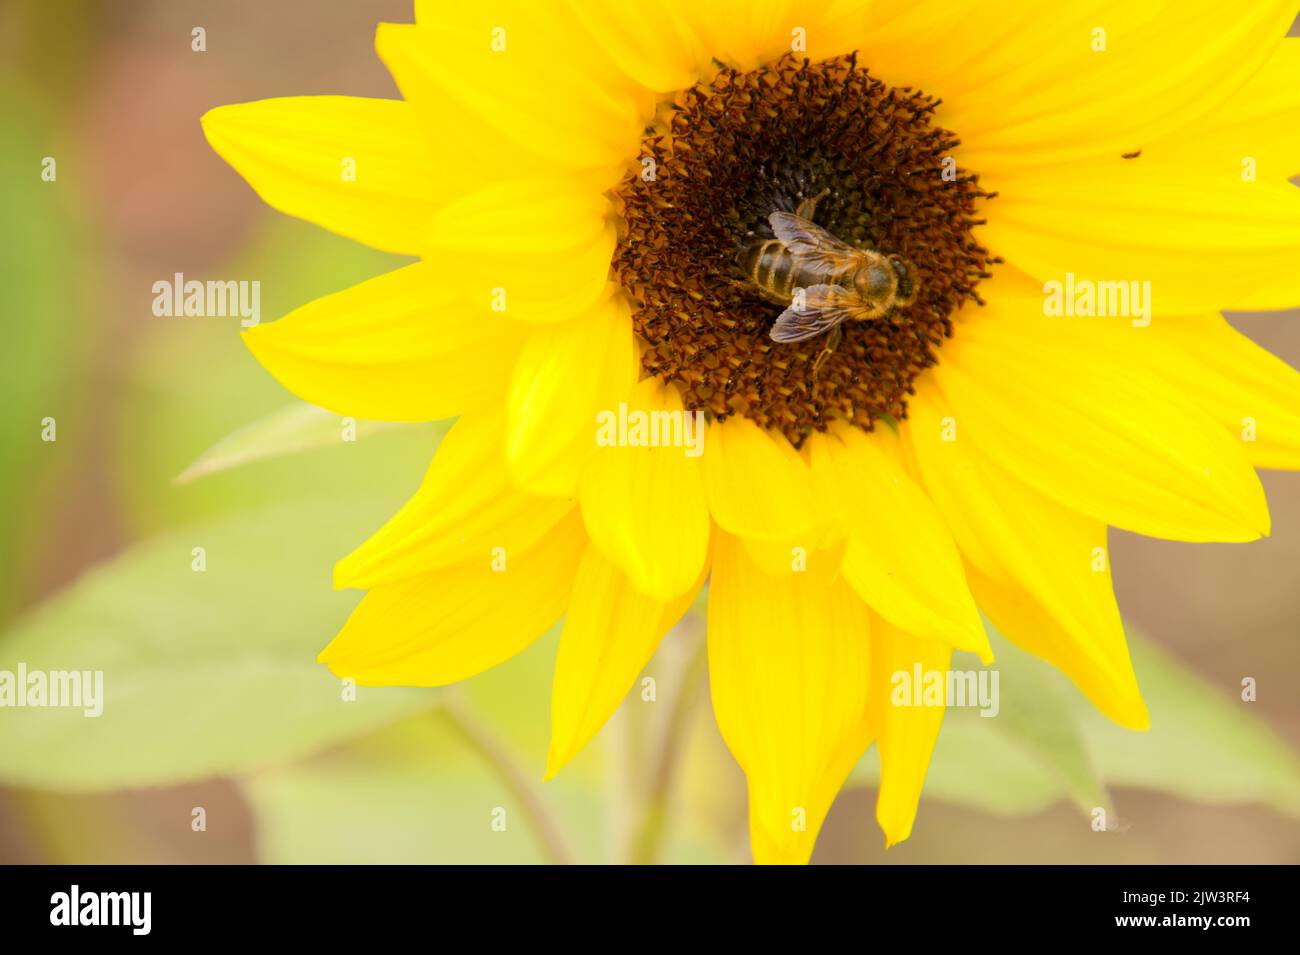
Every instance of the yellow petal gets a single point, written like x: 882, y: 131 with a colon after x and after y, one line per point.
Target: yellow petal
x: 1098, y: 662
x: 1040, y: 571
x: 749, y: 34
x: 905, y: 734
x: 789, y: 669
x: 478, y: 147
x: 565, y: 376
x: 912, y: 44
x: 802, y: 556
x: 1162, y: 66
x: 610, y: 633
x: 518, y: 217
x: 900, y: 557
x: 466, y: 510
x: 758, y: 485
x: 1254, y: 394
x: 1093, y: 430
x: 675, y: 43
x: 534, y: 78
x: 532, y: 249
x: 1257, y: 121
x: 358, y: 167
x: 655, y: 45
x: 399, y: 347
x: 644, y: 507
x: 450, y: 625
x: 1200, y: 236
x: 745, y: 33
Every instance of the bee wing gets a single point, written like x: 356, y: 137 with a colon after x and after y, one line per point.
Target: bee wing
x: 823, y: 307
x: 837, y: 298
x: 804, y: 238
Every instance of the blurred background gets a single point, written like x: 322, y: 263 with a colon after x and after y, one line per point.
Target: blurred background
x: 216, y: 712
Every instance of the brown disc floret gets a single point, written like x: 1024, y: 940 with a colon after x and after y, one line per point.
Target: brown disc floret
x: 727, y: 154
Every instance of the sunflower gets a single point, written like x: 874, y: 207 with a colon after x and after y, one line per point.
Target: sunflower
x: 1076, y: 193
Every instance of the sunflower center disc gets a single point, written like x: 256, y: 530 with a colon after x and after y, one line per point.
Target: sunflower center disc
x: 729, y: 153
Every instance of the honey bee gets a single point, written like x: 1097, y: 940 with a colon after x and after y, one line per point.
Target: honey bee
x: 822, y: 280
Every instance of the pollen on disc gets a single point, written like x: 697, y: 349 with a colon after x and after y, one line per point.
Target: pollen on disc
x: 728, y: 153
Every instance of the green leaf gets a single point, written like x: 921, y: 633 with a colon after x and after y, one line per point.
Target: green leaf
x: 1048, y: 744
x: 419, y: 793
x: 294, y: 428
x: 411, y: 793
x: 1035, y: 716
x: 1025, y: 756
x: 204, y: 673
x: 978, y: 767
x: 48, y: 271
x: 191, y: 381
x: 1205, y: 745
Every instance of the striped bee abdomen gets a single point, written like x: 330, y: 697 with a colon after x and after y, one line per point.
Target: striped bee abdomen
x: 777, y: 272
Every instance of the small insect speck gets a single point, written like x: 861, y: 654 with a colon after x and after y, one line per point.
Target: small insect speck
x: 1132, y: 155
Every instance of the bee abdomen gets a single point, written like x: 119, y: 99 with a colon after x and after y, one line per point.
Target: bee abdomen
x: 771, y: 267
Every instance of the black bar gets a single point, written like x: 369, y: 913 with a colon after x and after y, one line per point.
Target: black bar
x: 372, y: 904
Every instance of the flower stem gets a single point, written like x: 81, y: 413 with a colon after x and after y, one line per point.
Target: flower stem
x: 647, y: 844
x: 555, y: 850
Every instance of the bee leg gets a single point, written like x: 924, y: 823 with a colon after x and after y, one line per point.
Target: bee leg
x: 806, y: 208
x: 832, y: 341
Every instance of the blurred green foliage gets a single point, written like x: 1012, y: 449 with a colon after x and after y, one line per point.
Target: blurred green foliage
x: 1049, y: 744
x: 48, y: 336
x: 206, y: 672
x: 194, y: 383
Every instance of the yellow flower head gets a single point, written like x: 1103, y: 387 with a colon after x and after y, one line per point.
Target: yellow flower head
x: 867, y: 313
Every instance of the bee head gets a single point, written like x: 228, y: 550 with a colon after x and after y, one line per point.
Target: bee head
x: 906, y: 280
x: 874, y: 282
